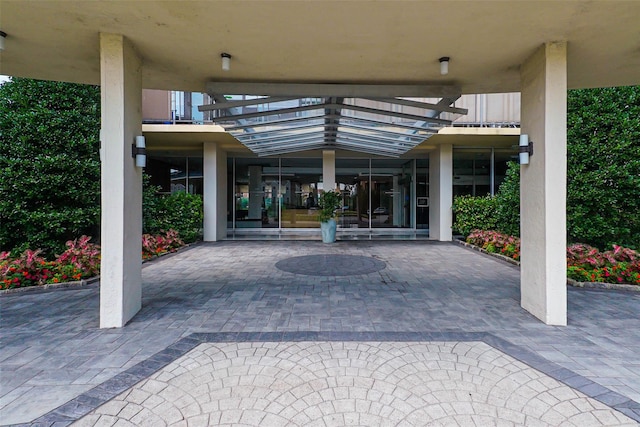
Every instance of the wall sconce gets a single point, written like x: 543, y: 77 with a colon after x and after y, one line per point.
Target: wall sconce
x: 139, y: 152
x: 3, y: 36
x: 226, y: 61
x: 444, y: 65
x: 525, y: 149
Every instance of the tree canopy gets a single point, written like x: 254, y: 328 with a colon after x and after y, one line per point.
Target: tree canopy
x: 49, y: 163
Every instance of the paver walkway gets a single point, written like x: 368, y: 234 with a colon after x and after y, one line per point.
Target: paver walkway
x: 53, y: 351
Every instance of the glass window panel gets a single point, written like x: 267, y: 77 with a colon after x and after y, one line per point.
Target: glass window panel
x: 391, y: 193
x: 352, y: 178
x: 301, y: 183
x: 422, y: 193
x: 256, y: 193
x: 195, y: 175
x: 502, y: 157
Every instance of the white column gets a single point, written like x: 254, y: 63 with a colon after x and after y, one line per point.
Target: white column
x: 215, y: 192
x: 441, y: 193
x: 328, y: 170
x: 543, y: 282
x: 121, y: 182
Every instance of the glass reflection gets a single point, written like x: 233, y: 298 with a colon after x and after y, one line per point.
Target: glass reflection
x: 301, y: 183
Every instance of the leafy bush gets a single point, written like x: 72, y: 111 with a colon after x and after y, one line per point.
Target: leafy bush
x: 28, y: 269
x: 508, y: 202
x: 329, y: 202
x: 495, y: 242
x: 159, y: 244
x: 584, y: 263
x: 83, y: 256
x: 49, y: 164
x: 603, y: 166
x: 80, y: 260
x: 474, y: 213
x: 180, y: 211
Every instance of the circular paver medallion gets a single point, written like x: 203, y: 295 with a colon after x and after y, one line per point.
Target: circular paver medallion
x: 331, y: 265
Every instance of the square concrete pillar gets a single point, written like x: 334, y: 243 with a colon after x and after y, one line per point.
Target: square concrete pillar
x: 215, y: 192
x: 328, y: 170
x: 121, y: 182
x: 543, y: 185
x: 441, y: 193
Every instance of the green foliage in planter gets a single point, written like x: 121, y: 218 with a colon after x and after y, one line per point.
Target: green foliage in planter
x: 329, y: 202
x: 49, y: 164
x: 178, y: 211
x: 603, y: 186
x: 473, y: 213
x: 508, y: 202
x: 603, y: 170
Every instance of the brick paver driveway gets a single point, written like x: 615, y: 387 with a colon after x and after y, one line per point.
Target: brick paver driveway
x: 433, y: 295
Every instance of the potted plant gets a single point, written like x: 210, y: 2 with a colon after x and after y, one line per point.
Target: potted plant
x: 329, y: 202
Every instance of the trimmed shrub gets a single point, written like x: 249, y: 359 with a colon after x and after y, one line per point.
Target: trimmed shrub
x: 180, y: 211
x: 508, y: 202
x: 474, y: 213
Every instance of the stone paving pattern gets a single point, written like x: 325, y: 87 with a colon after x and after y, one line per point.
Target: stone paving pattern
x: 51, y: 349
x: 351, y: 383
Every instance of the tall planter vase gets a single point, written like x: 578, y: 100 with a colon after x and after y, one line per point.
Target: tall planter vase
x: 328, y: 229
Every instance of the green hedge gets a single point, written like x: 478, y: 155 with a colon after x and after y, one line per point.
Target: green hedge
x: 473, y: 213
x: 179, y: 211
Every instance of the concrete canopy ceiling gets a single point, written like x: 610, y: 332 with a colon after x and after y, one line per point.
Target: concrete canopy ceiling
x: 325, y: 41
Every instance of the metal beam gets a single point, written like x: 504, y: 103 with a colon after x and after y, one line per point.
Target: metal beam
x: 271, y: 141
x: 394, y: 114
x: 274, y: 112
x: 281, y: 130
x: 424, y: 105
x: 325, y: 90
x: 379, y: 138
x: 353, y: 147
x: 294, y: 149
x: 291, y: 147
x: 383, y: 131
x: 247, y: 137
x: 274, y: 122
x: 397, y: 125
x: 243, y: 103
x: 289, y: 144
x: 364, y: 144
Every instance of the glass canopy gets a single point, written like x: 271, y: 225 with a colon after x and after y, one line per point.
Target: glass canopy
x: 274, y: 125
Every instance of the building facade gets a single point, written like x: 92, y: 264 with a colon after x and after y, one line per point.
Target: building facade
x: 381, y: 195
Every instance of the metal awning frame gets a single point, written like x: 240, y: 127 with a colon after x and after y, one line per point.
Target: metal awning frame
x: 331, y: 121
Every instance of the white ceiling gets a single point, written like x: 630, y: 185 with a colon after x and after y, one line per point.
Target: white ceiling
x: 325, y: 41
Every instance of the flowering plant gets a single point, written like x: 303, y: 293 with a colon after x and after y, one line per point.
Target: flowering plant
x: 160, y: 244
x: 80, y: 260
x: 27, y: 270
x: 584, y: 263
x: 494, y: 242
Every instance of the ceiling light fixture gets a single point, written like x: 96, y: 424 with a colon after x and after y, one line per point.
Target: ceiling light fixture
x: 444, y: 65
x: 3, y: 36
x: 226, y: 61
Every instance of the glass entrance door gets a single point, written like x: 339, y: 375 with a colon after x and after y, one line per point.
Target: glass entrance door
x: 391, y: 193
x: 352, y: 177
